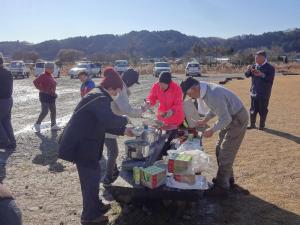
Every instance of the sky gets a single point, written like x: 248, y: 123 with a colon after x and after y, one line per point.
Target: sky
x: 39, y: 20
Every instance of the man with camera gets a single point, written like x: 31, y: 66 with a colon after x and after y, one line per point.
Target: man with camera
x: 262, y: 74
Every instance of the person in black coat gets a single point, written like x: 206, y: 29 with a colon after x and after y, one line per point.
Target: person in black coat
x: 262, y: 74
x: 7, y: 137
x: 83, y: 138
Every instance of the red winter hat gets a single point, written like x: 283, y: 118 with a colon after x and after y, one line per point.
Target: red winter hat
x: 111, y: 79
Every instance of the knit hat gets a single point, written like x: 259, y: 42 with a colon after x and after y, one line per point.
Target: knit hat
x: 187, y: 84
x: 130, y: 77
x: 111, y: 79
x: 165, y: 77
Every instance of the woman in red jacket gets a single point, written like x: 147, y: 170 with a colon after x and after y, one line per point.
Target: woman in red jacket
x: 46, y: 84
x: 170, y: 108
x: 169, y: 95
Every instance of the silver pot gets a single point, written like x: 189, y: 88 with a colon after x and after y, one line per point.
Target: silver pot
x: 136, y: 149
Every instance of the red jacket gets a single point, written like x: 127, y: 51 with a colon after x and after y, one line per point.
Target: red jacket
x: 169, y: 99
x: 45, y: 83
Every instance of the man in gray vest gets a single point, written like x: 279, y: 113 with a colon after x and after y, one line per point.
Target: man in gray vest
x: 232, y: 124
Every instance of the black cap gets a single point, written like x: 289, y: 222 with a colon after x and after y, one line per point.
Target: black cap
x: 165, y: 77
x: 262, y: 52
x: 130, y: 77
x: 187, y: 84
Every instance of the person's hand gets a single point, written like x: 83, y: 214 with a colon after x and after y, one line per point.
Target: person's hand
x: 147, y: 104
x: 201, y: 123
x: 258, y: 73
x: 128, y: 132
x: 249, y: 67
x: 208, y: 133
x: 168, y: 114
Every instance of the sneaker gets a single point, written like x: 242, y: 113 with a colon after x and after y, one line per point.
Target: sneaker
x: 55, y: 127
x: 37, y: 127
x: 251, y: 127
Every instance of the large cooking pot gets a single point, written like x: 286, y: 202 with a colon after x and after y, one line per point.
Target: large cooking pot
x: 136, y: 149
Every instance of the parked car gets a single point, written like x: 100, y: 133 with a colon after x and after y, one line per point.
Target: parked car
x: 193, y: 69
x: 6, y: 66
x: 161, y: 67
x: 19, y: 69
x: 40, y: 69
x: 121, y: 66
x: 92, y: 69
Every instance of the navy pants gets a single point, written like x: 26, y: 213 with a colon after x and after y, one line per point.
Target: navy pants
x: 10, y: 214
x: 90, y: 181
x: 259, y: 106
x: 7, y: 137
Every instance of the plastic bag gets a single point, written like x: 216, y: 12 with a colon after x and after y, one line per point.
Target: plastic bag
x: 200, y: 184
x: 200, y: 160
x: 190, y: 145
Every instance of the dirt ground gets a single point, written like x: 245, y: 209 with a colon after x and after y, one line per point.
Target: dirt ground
x: 268, y: 165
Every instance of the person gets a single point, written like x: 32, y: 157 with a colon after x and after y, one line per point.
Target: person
x: 7, y: 138
x: 170, y: 109
x: 46, y: 84
x: 232, y: 124
x: 120, y: 106
x: 83, y: 139
x: 10, y: 214
x: 87, y: 83
x: 262, y: 74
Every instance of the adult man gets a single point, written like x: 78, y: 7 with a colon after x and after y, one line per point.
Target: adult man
x: 120, y: 106
x: 83, y: 139
x: 262, y: 74
x: 46, y: 84
x: 87, y: 83
x: 232, y: 124
x: 7, y: 138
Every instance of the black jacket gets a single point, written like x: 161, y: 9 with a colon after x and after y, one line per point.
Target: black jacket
x: 262, y: 86
x: 6, y: 83
x: 83, y: 138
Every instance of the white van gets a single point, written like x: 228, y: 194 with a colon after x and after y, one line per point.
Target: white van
x: 40, y: 68
x: 121, y: 66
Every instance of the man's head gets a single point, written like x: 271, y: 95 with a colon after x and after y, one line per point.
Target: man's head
x: 164, y: 80
x: 260, y: 57
x: 191, y: 88
x: 49, y: 67
x: 112, y: 81
x: 1, y: 59
x: 83, y: 76
x: 130, y: 77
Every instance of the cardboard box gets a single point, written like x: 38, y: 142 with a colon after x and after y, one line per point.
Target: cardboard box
x: 180, y: 164
x: 189, y: 179
x: 153, y: 176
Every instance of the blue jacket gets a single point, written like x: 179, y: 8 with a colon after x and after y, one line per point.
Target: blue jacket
x: 86, y: 87
x: 83, y: 138
x: 262, y: 86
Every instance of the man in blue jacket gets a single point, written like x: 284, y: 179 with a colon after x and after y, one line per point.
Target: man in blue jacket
x: 83, y: 139
x: 262, y: 74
